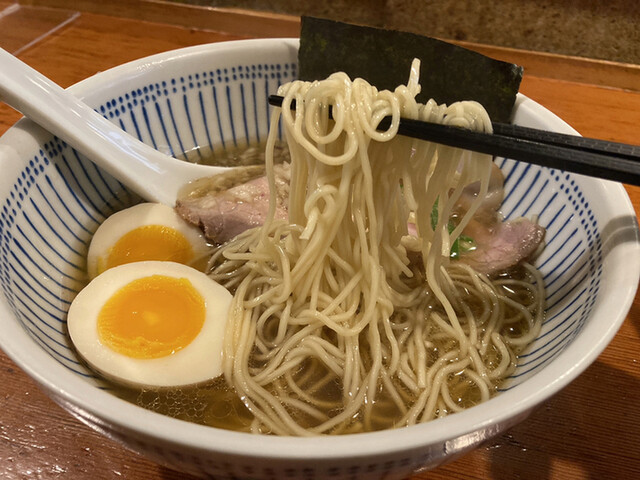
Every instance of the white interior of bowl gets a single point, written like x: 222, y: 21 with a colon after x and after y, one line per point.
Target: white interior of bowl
x: 51, y: 201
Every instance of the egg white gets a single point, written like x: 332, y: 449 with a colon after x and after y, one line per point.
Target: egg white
x: 124, y: 221
x: 199, y: 361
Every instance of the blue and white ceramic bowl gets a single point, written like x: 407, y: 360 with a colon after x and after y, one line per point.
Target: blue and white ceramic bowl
x: 52, y: 200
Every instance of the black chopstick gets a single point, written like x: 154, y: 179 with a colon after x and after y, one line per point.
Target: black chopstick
x: 597, y: 158
x: 563, y: 140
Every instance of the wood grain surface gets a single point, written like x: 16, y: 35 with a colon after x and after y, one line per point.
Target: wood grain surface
x: 590, y: 430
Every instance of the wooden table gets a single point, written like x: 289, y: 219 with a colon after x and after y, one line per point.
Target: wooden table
x: 591, y: 430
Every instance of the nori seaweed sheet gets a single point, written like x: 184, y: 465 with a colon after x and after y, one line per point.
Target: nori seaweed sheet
x: 448, y: 73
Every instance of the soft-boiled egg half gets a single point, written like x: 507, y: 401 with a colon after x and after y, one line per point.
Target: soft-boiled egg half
x: 148, y: 231
x: 151, y: 323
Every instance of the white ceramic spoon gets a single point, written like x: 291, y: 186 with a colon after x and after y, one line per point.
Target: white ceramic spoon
x: 156, y: 177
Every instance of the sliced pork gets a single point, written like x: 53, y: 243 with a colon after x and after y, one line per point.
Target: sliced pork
x: 502, y: 245
x: 227, y: 205
x: 499, y: 245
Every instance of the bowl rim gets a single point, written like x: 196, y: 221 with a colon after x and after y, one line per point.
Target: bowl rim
x: 110, y: 411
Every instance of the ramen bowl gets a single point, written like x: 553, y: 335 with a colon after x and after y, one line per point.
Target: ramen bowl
x: 215, y: 96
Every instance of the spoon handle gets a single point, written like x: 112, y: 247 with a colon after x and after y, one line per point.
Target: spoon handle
x: 151, y: 174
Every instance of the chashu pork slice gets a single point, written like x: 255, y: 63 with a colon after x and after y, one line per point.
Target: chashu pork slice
x: 228, y: 204
x: 499, y: 244
x: 502, y: 244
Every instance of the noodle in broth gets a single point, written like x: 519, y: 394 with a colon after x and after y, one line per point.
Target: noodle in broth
x: 333, y: 329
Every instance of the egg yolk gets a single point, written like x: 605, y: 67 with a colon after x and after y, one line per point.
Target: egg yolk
x: 149, y: 242
x: 152, y: 317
